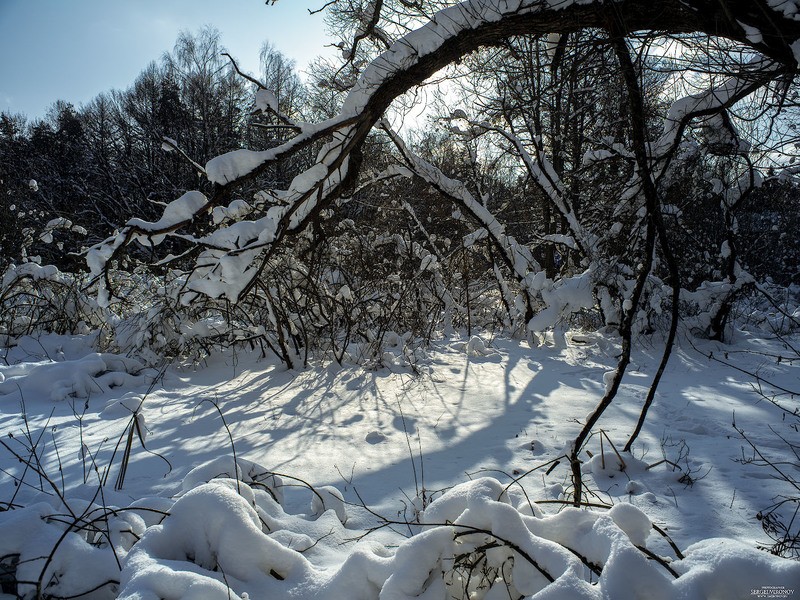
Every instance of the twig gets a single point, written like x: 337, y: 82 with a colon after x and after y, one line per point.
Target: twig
x: 230, y: 437
x: 171, y: 143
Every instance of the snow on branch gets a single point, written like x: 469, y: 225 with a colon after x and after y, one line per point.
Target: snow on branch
x: 518, y: 257
x: 450, y: 34
x: 542, y: 173
x: 712, y: 102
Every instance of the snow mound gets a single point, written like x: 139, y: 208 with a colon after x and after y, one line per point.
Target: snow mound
x: 80, y: 378
x: 66, y: 556
x: 547, y: 557
x: 328, y: 498
x: 210, y: 531
x: 475, y: 347
x: 224, y: 467
x: 226, y: 538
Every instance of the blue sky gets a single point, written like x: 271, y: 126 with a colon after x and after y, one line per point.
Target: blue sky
x: 74, y: 49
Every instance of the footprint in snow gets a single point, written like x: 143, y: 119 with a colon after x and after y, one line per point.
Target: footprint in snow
x: 375, y: 437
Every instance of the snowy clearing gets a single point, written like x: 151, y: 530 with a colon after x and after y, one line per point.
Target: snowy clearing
x: 432, y: 485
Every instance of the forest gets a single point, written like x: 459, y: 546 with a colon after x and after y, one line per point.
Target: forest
x: 575, y: 220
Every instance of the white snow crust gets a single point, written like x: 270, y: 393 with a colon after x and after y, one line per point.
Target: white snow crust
x: 212, y: 524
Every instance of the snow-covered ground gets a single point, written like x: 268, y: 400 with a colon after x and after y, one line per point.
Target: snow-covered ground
x: 377, y: 447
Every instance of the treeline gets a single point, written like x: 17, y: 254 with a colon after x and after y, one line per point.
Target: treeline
x: 102, y: 163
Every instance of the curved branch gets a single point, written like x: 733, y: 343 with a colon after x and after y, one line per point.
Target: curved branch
x: 451, y: 34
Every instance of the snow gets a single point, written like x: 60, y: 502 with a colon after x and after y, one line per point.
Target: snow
x: 178, y: 211
x: 168, y: 144
x: 79, y: 378
x: 789, y: 8
x: 594, y: 156
x: 234, y: 211
x: 551, y: 45
x: 219, y: 524
x: 59, y: 223
x: 722, y: 568
x: 232, y: 165
x: 716, y: 98
x: 249, y: 481
x: 569, y: 294
x: 753, y: 34
x: 33, y: 271
x: 632, y: 521
x: 328, y: 498
x: 519, y: 256
x: 266, y: 101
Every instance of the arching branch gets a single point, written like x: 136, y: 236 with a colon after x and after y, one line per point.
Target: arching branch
x: 451, y: 34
